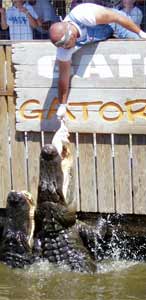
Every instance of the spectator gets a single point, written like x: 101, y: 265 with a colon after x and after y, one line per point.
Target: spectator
x: 132, y: 11
x: 141, y: 5
x: 107, y: 3
x: 47, y: 16
x: 20, y: 18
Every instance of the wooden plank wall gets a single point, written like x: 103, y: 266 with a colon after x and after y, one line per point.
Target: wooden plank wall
x: 107, y: 87
x: 110, y: 169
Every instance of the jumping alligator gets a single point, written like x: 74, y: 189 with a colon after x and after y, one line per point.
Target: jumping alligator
x: 57, y: 237
x: 52, y: 232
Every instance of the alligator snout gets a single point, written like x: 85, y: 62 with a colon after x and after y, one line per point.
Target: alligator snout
x: 15, y: 198
x: 51, y: 176
x: 49, y: 152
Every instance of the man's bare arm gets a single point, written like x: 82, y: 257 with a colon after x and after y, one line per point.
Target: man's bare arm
x: 64, y: 80
x: 32, y: 21
x: 106, y: 16
x: 63, y: 87
x: 124, y: 21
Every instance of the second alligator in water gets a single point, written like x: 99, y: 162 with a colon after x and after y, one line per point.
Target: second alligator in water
x: 17, y: 236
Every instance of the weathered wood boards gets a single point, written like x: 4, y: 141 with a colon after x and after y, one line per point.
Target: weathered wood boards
x: 105, y: 173
x: 139, y: 173
x: 2, y: 71
x: 88, y: 192
x: 6, y: 75
x: 108, y: 87
x: 110, y: 174
x: 5, y: 178
x: 122, y: 173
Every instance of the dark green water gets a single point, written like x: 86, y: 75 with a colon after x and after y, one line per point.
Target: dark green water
x: 113, y: 281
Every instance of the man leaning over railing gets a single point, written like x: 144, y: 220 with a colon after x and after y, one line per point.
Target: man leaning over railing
x: 85, y: 24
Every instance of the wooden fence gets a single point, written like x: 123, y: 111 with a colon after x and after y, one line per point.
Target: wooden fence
x: 110, y: 168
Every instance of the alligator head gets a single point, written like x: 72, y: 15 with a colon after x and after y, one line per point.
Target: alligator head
x: 53, y: 216
x: 15, y: 249
x: 52, y: 208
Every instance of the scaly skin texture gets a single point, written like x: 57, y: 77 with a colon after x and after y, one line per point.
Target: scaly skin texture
x: 57, y: 236
x: 15, y: 248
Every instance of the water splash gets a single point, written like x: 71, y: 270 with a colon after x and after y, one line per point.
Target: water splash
x: 114, y: 266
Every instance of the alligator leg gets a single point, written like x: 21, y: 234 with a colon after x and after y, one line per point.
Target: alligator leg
x: 94, y: 239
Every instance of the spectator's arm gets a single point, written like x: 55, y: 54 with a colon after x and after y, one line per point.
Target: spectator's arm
x: 32, y: 21
x: 46, y: 25
x: 4, y: 24
x: 39, y: 22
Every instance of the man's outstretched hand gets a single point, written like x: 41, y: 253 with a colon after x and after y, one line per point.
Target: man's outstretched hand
x: 142, y: 34
x: 61, y: 111
x: 61, y: 138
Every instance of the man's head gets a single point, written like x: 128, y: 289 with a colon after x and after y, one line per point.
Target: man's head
x: 63, y: 35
